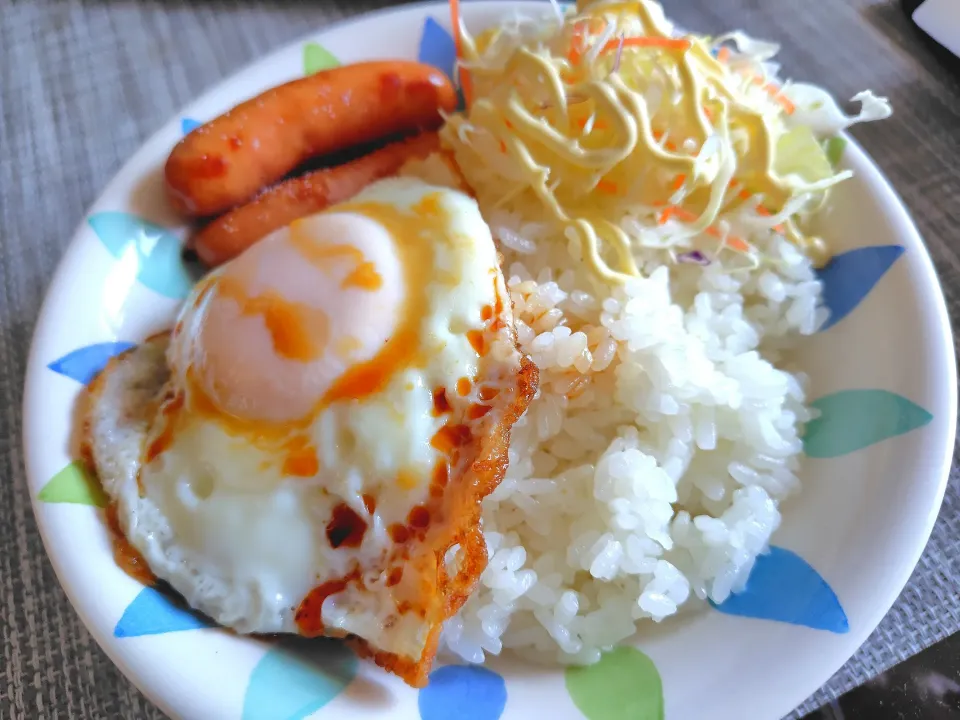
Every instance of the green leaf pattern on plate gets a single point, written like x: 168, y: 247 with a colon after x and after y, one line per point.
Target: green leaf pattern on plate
x: 74, y: 484
x: 624, y: 685
x: 317, y: 58
x: 854, y: 419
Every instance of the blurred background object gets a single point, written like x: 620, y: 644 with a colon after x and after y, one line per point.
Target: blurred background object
x: 924, y: 687
x: 940, y: 19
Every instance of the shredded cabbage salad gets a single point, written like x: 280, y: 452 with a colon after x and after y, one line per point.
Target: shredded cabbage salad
x: 630, y: 135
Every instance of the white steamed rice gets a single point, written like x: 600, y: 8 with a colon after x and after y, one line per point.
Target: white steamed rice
x: 648, y: 471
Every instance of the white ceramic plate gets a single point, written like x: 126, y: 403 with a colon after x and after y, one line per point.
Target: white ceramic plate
x: 883, y: 376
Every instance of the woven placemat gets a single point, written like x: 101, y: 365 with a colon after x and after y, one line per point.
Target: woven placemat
x: 84, y: 83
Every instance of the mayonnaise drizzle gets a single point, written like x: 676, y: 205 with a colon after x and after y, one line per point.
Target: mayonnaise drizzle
x: 629, y: 137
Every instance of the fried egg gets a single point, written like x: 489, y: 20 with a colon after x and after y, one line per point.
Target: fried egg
x: 306, y: 452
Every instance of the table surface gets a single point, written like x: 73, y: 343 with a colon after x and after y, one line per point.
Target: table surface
x: 84, y: 82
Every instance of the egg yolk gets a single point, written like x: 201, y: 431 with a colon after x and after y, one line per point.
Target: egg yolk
x: 280, y: 324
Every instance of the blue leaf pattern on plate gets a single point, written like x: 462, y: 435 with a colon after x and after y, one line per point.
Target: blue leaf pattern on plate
x: 853, y: 419
x: 783, y: 587
x: 290, y: 683
x: 849, y: 277
x: 437, y: 48
x: 153, y: 613
x: 83, y: 364
x: 154, y: 251
x: 465, y: 692
x: 188, y: 125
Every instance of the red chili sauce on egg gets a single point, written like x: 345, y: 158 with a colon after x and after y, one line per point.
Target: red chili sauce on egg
x: 309, y: 616
x: 440, y: 403
x: 345, y: 528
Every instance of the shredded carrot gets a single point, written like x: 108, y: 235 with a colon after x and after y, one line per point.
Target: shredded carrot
x: 648, y: 42
x: 678, y: 182
x: 455, y: 27
x: 735, y: 243
x: 667, y: 214
x: 723, y: 54
x: 465, y: 84
x: 788, y: 107
x: 679, y: 212
x: 732, y: 242
x: 605, y: 186
x: 675, y: 211
x: 743, y: 194
x: 597, y: 124
x: 775, y: 91
x: 503, y: 147
x: 576, y: 44
x: 763, y: 212
x: 771, y: 89
x: 669, y: 145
